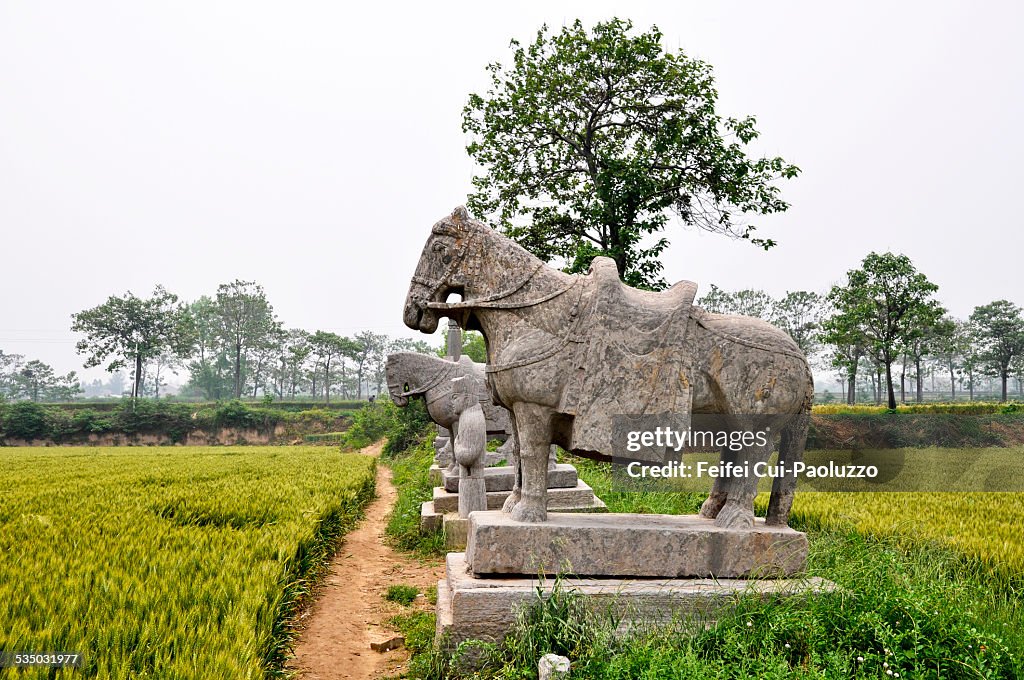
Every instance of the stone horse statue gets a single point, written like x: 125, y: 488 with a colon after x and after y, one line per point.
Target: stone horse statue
x: 415, y: 375
x: 568, y: 353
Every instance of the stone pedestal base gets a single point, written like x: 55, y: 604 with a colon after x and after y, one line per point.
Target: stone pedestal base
x: 579, y: 498
x: 485, y: 608
x: 441, y: 513
x: 504, y: 478
x: 630, y: 545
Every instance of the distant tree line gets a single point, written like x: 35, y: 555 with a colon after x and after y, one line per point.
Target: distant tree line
x: 231, y: 345
x: 34, y: 380
x: 884, y: 331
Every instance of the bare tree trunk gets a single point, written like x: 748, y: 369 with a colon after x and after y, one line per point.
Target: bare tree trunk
x: 138, y: 378
x: 920, y: 381
x: 888, y: 384
x: 327, y: 381
x: 952, y: 383
x: 238, y: 370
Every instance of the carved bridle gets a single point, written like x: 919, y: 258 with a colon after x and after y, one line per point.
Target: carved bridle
x: 493, y: 301
x: 444, y: 372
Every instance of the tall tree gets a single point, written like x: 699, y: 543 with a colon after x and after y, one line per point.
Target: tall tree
x: 1000, y: 333
x: 245, y: 320
x: 927, y: 341
x: 208, y: 362
x: 886, y: 304
x: 593, y: 140
x: 369, y: 348
x: 129, y: 331
x: 952, y: 349
x: 327, y: 347
x: 799, y: 313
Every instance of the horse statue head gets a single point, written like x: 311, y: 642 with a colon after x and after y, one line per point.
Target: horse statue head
x: 465, y: 257
x: 411, y: 374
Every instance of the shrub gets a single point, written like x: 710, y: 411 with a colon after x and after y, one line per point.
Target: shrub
x: 238, y: 415
x: 370, y: 423
x: 90, y: 421
x: 25, y: 420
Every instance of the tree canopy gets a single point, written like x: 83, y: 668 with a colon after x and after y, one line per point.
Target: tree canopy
x: 593, y: 140
x: 129, y: 331
x: 885, y: 305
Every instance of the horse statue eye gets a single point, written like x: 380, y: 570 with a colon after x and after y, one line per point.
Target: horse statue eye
x: 439, y: 248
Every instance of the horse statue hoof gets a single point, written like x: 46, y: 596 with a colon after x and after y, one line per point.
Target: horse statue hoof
x: 733, y: 517
x: 525, y: 513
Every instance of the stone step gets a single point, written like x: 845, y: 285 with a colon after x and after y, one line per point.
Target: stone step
x: 504, y: 478
x: 576, y: 498
x: 625, y: 545
x: 485, y: 608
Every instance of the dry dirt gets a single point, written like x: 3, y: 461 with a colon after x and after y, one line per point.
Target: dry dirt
x: 351, y: 611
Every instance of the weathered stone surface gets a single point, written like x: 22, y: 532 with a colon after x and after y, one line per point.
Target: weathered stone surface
x: 485, y: 608
x: 430, y: 519
x: 673, y: 546
x: 504, y: 478
x: 553, y: 667
x: 472, y: 495
x: 569, y: 353
x: 579, y: 498
x: 435, y: 475
x: 456, y: 530
x: 412, y: 375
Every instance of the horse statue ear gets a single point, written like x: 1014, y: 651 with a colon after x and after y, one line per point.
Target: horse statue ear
x: 460, y: 214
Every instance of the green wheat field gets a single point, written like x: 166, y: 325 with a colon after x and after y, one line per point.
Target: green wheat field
x: 167, y: 562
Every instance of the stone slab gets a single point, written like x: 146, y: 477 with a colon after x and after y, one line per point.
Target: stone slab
x: 430, y: 519
x: 485, y: 608
x: 631, y: 545
x: 504, y: 478
x: 456, y: 529
x: 436, y: 476
x: 577, y: 498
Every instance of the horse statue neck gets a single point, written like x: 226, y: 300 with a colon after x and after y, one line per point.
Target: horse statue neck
x: 506, y: 273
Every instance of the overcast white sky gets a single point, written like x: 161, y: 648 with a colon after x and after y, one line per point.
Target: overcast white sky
x: 310, y: 146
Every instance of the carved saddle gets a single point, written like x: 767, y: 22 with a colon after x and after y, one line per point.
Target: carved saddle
x: 632, y: 357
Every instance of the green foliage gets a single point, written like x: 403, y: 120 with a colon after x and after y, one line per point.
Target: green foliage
x: 999, y: 332
x: 592, y: 140
x: 130, y: 331
x: 369, y: 424
x: 401, y: 593
x: 883, y: 309
x: 210, y: 550
x: 238, y: 415
x: 24, y: 420
x: 418, y: 629
x: 411, y: 476
x: 174, y: 420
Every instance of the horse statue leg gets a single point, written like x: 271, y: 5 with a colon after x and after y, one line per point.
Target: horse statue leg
x: 514, y: 460
x: 533, y: 425
x: 738, y: 510
x: 791, y: 451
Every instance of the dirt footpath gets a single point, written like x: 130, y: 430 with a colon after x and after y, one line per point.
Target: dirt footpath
x: 351, y: 611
